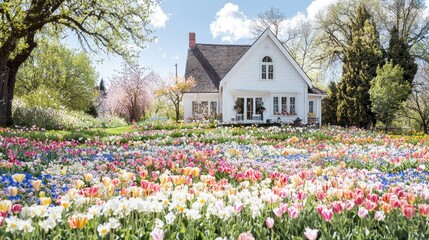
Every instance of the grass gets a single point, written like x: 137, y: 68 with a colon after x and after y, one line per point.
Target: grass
x: 79, y: 135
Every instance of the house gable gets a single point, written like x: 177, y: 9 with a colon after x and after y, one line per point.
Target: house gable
x: 258, y: 44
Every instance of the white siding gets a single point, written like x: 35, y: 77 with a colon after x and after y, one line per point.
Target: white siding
x: 246, y: 81
x: 188, y: 98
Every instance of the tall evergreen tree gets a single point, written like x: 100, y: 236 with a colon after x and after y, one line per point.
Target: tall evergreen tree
x: 102, y: 88
x: 359, y: 68
x: 399, y: 54
x: 329, y: 105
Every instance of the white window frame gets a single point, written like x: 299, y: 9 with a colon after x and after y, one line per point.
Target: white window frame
x: 281, y: 104
x: 311, y: 106
x: 269, y: 75
x: 204, y: 110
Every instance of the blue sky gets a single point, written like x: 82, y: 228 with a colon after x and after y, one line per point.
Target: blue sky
x: 213, y: 21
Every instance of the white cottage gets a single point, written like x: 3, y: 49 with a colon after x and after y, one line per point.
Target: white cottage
x: 249, y: 83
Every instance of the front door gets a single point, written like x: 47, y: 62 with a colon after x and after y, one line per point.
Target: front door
x: 248, y: 108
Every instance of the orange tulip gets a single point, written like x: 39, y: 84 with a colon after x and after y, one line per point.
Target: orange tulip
x: 78, y: 221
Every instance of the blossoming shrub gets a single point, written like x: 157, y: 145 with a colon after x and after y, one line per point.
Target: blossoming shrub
x: 49, y: 118
x: 275, y: 183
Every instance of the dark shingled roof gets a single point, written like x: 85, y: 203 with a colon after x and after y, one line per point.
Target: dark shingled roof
x: 315, y: 90
x: 209, y: 63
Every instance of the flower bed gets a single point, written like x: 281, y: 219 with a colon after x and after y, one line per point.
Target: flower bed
x: 275, y: 183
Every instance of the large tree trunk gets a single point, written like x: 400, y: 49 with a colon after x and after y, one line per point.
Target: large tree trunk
x: 7, y: 90
x: 5, y: 116
x: 177, y: 108
x: 8, y: 70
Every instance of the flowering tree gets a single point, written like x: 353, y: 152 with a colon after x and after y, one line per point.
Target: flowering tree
x: 173, y: 90
x: 129, y: 94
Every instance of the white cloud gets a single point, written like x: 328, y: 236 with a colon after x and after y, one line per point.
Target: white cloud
x: 164, y: 55
x: 158, y: 17
x: 318, y: 5
x: 230, y: 24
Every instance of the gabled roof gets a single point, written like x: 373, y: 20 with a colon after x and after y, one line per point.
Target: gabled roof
x: 209, y: 63
x: 258, y: 43
x: 316, y: 91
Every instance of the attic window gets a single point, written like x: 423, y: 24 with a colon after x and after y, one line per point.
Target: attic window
x: 267, y: 68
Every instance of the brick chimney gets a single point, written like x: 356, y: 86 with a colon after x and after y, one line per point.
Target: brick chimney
x: 191, y: 40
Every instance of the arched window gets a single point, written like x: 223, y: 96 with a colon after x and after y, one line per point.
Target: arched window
x: 267, y: 68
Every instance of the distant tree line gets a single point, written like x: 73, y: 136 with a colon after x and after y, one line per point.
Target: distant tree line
x: 381, y: 46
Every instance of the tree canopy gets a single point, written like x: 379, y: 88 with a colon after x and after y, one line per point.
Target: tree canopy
x: 55, y: 76
x: 173, y: 90
x: 102, y: 25
x: 360, y: 63
x: 387, y: 92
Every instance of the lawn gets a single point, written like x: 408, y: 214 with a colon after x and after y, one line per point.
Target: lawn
x: 195, y: 182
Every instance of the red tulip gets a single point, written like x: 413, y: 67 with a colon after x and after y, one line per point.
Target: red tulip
x: 16, y: 208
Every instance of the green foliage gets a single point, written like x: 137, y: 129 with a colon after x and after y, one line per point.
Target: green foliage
x: 387, y: 92
x: 49, y: 118
x: 108, y: 26
x: 359, y: 68
x: 399, y: 54
x: 173, y: 90
x: 330, y: 105
x: 56, y: 77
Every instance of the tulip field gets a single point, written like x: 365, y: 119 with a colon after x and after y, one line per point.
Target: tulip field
x: 219, y: 183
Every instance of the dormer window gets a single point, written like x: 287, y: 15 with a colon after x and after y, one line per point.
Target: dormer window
x: 267, y: 68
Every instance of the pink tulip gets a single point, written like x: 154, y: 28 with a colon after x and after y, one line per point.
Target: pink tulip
x: 293, y: 212
x: 283, y: 207
x: 327, y: 214
x: 245, y: 236
x: 269, y: 222
x: 310, y: 234
x: 373, y: 197
x: 370, y: 205
x: 424, y: 210
x: 238, y: 206
x: 408, y: 211
x: 277, y: 212
x: 301, y: 195
x: 379, y: 215
x: 349, y: 205
x: 157, y: 234
x: 320, y: 208
x: 320, y: 195
x: 362, y: 212
x: 359, y: 199
x: 337, y: 207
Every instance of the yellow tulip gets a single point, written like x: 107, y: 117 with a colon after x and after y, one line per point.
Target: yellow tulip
x: 106, y: 181
x: 19, y: 177
x: 45, y: 201
x: 13, y: 191
x: 36, y: 184
x: 5, y: 205
x: 87, y: 177
x: 79, y: 184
